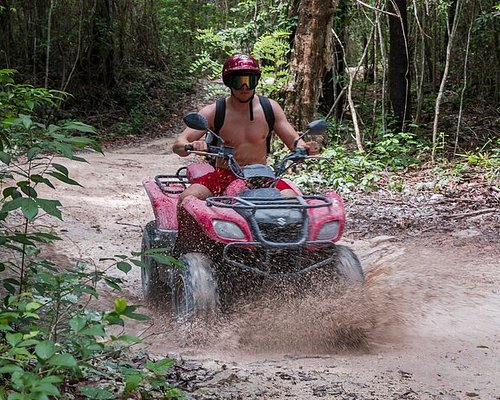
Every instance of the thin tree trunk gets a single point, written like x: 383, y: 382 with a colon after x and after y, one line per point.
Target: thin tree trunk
x: 77, y: 58
x: 352, y: 108
x: 464, y: 87
x: 399, y: 62
x: 451, y: 36
x: 49, y: 32
x: 383, y: 56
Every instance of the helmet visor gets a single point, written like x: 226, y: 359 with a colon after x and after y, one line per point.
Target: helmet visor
x: 237, y: 81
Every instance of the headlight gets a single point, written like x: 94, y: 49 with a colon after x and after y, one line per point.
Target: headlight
x: 328, y: 230
x: 228, y: 230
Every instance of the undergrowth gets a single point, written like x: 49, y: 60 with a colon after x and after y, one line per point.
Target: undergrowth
x: 52, y: 343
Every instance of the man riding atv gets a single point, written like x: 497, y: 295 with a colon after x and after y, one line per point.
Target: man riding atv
x: 244, y: 121
x: 233, y: 225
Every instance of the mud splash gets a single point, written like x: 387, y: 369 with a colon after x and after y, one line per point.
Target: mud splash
x: 327, y: 320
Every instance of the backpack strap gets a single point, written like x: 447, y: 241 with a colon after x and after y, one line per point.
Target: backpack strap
x: 269, y: 114
x: 220, y: 114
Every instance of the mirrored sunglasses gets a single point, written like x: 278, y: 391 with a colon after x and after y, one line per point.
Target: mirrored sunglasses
x: 237, y: 81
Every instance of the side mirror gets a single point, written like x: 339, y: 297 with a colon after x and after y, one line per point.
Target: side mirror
x: 317, y: 127
x: 196, y: 121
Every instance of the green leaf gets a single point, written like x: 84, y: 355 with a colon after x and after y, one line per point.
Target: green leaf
x: 63, y: 360
x: 4, y: 157
x: 10, y: 368
x: 29, y: 342
x: 63, y: 178
x: 12, y: 205
x: 50, y: 207
x: 160, y: 367
x: 96, y: 393
x: 25, y: 120
x: 79, y: 126
x: 139, y: 263
x: 94, y: 330
x: 132, y: 380
x: 120, y: 305
x: 168, y: 260
x: 40, y: 179
x: 45, y: 349
x: 127, y: 339
x: 113, y: 282
x: 33, y: 152
x: 29, y: 208
x: 124, y: 266
x: 46, y: 389
x: 13, y: 338
x: 136, y: 316
x: 52, y: 379
x: 7, y: 192
x: 65, y: 149
x: 61, y: 168
x: 29, y: 191
x: 4, y: 327
x: 77, y: 323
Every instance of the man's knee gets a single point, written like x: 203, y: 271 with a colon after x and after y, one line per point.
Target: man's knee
x: 196, y: 190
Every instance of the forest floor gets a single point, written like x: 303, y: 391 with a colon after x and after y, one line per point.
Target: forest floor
x: 426, y: 327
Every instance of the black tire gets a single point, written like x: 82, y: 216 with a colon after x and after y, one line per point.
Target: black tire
x: 154, y: 290
x: 194, y: 289
x: 348, y: 267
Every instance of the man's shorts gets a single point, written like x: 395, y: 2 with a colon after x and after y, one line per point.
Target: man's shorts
x: 216, y: 181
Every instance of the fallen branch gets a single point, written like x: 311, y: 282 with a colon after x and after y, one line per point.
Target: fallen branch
x: 472, y: 213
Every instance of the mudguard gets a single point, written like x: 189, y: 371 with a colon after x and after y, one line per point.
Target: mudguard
x: 204, y: 215
x: 164, y: 205
x: 319, y: 216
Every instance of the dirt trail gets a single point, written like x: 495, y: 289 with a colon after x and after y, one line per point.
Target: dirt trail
x: 430, y: 312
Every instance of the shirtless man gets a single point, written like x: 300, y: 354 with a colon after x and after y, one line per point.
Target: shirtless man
x: 245, y: 128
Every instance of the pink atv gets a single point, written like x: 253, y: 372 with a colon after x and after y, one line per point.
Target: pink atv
x: 232, y: 244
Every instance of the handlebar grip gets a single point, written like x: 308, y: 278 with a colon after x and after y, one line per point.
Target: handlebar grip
x: 188, y: 147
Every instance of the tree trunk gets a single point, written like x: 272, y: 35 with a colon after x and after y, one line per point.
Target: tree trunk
x: 308, y: 60
x: 101, y: 52
x: 399, y: 62
x: 5, y: 33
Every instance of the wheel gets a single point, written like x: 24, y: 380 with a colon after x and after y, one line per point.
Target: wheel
x: 347, y: 266
x: 153, y: 288
x: 194, y: 289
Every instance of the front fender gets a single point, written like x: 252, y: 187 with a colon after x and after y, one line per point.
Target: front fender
x: 204, y: 215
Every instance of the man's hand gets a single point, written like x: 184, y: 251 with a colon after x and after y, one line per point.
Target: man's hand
x: 199, y: 145
x: 312, y: 147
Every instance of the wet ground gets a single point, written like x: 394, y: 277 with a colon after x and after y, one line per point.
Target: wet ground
x: 426, y: 326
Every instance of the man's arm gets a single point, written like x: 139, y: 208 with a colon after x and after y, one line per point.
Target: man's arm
x: 193, y: 136
x: 285, y: 131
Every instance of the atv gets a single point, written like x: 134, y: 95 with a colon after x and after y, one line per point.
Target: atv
x: 227, y: 246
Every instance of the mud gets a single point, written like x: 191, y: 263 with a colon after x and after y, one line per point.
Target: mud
x: 426, y: 325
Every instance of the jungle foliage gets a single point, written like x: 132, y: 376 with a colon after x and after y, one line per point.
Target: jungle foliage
x: 124, y: 66
x: 52, y: 343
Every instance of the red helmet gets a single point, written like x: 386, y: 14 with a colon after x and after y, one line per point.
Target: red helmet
x: 240, y: 63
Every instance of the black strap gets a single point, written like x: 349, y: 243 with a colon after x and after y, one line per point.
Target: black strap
x: 269, y: 114
x: 220, y: 114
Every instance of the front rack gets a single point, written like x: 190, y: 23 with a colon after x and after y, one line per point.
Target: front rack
x: 172, y: 184
x: 256, y: 203
x: 251, y: 207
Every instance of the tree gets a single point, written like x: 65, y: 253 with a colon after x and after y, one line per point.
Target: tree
x: 308, y: 60
x: 399, y: 62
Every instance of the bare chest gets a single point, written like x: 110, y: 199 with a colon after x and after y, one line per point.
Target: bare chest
x: 239, y: 130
